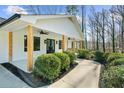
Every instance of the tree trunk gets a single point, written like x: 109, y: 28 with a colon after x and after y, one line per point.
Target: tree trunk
x: 122, y: 37
x: 97, y: 38
x: 113, y: 34
x: 103, y: 34
x: 103, y: 42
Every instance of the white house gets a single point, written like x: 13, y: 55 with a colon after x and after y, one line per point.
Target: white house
x: 24, y: 37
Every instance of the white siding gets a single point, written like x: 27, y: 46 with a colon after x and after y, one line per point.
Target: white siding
x: 69, y: 43
x: 18, y: 44
x: 3, y: 46
x: 62, y: 26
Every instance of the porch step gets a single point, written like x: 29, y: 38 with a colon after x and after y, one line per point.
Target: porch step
x: 26, y: 77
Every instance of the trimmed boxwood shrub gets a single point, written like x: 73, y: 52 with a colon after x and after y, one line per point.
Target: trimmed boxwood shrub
x: 72, y: 56
x: 112, y: 77
x: 65, y: 60
x: 106, y: 55
x: 73, y: 50
x: 114, y: 56
x: 119, y: 61
x: 99, y: 57
x: 47, y: 66
x: 91, y: 55
x: 83, y: 53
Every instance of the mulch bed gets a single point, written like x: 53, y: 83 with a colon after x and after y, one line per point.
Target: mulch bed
x: 29, y: 77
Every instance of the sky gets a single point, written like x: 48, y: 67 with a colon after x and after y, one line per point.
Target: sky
x: 8, y: 10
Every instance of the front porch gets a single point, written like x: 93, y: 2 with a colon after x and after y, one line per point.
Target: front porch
x: 21, y: 45
x: 22, y: 64
x: 21, y: 36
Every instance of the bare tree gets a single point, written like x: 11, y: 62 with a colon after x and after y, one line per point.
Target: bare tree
x: 119, y: 10
x: 72, y: 9
x: 43, y: 9
x: 83, y: 9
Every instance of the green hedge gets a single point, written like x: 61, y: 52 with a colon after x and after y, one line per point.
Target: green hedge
x: 99, y: 57
x: 65, y: 60
x: 47, y: 66
x: 113, y: 77
x: 119, y: 61
x: 114, y: 56
x: 91, y: 55
x: 72, y: 56
x: 73, y: 50
x: 83, y: 53
x: 106, y: 55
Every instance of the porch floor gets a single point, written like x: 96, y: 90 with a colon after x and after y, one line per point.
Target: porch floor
x: 22, y: 64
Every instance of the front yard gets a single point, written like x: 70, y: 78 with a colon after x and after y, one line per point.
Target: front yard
x: 112, y: 71
x: 74, y: 68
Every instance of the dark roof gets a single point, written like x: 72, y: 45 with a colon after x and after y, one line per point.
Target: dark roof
x: 2, y: 19
x: 14, y: 17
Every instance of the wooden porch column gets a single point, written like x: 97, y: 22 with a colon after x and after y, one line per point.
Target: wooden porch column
x: 63, y: 42
x: 29, y: 48
x: 81, y: 44
x: 10, y: 36
x: 76, y: 44
x: 73, y: 44
x: 67, y: 43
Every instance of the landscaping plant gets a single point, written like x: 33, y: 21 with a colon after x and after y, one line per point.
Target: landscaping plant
x: 113, y: 77
x: 47, y: 66
x: 114, y: 56
x: 91, y: 55
x: 99, y: 57
x: 72, y: 56
x: 65, y: 60
x: 83, y: 53
x: 119, y: 61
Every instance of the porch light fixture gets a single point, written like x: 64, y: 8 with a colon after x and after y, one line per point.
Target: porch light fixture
x: 69, y: 38
x: 43, y: 32
x: 56, y: 42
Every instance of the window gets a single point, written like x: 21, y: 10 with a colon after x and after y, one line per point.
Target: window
x: 36, y: 43
x: 25, y: 43
x: 50, y: 46
x: 60, y: 44
x: 72, y: 44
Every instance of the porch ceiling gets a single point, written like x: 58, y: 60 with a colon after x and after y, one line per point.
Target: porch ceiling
x: 14, y: 26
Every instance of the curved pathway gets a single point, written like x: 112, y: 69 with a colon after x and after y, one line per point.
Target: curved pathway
x: 84, y: 75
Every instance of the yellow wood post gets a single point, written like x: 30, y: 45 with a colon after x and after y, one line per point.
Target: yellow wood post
x: 29, y: 47
x: 81, y: 46
x: 76, y: 44
x: 10, y: 36
x: 67, y: 43
x: 63, y: 42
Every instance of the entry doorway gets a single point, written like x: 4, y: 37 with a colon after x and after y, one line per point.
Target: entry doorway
x: 50, y: 45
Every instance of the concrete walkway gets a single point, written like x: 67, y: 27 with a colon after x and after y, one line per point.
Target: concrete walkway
x: 8, y: 80
x: 85, y: 75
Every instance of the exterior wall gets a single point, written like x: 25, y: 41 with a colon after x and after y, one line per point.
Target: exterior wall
x: 69, y: 43
x: 18, y: 44
x: 3, y: 46
x: 63, y: 26
x: 77, y: 44
x: 57, y: 37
